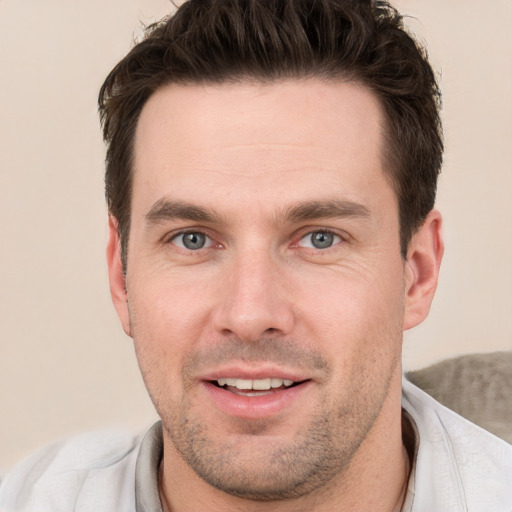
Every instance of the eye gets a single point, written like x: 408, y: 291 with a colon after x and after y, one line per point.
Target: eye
x: 320, y: 239
x: 192, y: 240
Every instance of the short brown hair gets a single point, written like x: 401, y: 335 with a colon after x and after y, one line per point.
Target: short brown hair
x: 217, y: 41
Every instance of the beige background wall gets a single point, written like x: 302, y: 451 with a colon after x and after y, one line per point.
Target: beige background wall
x: 65, y: 365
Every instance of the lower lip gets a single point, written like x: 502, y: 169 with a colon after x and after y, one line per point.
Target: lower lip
x: 255, y: 407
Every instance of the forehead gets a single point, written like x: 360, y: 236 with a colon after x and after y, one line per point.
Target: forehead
x: 268, y: 139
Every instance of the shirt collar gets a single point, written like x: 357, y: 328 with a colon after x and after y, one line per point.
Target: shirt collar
x: 147, y: 495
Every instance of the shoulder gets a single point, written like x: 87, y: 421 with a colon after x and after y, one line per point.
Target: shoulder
x: 457, y: 461
x: 94, y: 471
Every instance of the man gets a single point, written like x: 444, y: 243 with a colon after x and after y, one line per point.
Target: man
x: 271, y: 177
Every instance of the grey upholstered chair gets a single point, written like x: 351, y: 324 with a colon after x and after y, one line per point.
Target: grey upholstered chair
x: 476, y: 386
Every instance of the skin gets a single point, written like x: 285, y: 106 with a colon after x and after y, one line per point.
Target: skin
x: 257, y: 168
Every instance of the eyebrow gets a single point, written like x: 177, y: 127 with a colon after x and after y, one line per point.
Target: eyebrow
x: 167, y: 210
x: 329, y: 209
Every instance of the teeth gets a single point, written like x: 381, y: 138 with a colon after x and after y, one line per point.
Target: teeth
x: 276, y: 383
x: 261, y: 384
x: 257, y: 384
x: 243, y: 384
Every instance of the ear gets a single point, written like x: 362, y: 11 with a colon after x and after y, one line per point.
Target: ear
x: 116, y: 276
x: 422, y: 269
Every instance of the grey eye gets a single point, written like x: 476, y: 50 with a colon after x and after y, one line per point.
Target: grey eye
x: 193, y: 240
x: 319, y: 240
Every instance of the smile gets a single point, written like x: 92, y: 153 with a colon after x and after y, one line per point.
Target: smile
x: 259, y: 385
x: 255, y: 398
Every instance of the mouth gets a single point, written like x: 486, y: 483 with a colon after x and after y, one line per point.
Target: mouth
x: 256, y: 393
x: 254, y: 387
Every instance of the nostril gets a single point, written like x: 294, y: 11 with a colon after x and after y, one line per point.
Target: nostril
x: 250, y: 321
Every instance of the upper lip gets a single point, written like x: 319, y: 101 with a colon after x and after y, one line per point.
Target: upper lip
x: 254, y: 372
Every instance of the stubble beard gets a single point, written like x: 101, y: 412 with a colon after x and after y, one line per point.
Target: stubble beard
x: 255, y: 466
x: 311, y: 461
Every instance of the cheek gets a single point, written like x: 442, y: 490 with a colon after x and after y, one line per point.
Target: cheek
x: 170, y: 304
x: 360, y: 329
x: 355, y: 313
x: 167, y: 322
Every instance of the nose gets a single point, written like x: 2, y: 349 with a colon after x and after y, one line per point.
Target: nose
x: 254, y: 299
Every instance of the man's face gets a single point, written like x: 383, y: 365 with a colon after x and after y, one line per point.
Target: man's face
x: 264, y: 254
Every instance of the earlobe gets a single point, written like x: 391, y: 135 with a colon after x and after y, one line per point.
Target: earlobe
x: 422, y: 269
x: 116, y: 275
